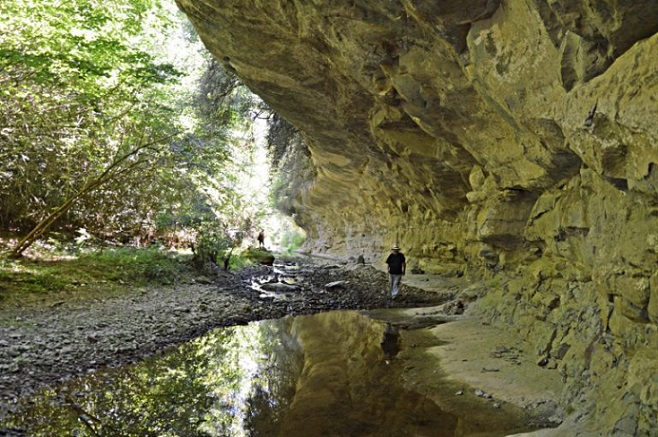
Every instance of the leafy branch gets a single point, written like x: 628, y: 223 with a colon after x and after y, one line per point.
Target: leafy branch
x: 112, y: 171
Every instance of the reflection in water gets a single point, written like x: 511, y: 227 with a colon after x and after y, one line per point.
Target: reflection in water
x: 391, y: 342
x: 332, y: 374
x: 347, y: 389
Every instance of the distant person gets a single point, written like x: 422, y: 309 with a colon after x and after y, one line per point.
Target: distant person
x: 227, y: 259
x: 397, y: 266
x: 261, y: 239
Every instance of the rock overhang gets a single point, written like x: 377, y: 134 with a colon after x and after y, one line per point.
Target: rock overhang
x: 400, y: 102
x: 514, y: 138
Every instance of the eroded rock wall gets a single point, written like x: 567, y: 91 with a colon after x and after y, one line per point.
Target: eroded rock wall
x: 512, y: 139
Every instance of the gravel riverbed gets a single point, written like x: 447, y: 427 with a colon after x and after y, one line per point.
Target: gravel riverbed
x: 39, y: 347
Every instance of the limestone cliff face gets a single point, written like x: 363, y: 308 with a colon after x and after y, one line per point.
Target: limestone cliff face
x: 517, y: 139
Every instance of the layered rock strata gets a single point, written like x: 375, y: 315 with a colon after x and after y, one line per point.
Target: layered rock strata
x: 516, y: 140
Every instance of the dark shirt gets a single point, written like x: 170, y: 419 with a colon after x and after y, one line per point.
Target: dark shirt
x: 395, y: 262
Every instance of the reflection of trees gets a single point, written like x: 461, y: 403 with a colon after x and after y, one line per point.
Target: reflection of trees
x: 311, y: 375
x: 253, y: 380
x: 166, y: 396
x: 224, y: 383
x: 271, y: 398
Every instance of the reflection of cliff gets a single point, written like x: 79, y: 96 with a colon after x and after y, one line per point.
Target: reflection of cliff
x: 346, y: 388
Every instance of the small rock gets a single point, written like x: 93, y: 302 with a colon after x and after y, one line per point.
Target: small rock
x: 14, y: 351
x: 278, y: 287
x: 335, y: 284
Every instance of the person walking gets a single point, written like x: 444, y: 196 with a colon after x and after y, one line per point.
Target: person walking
x: 261, y: 239
x: 397, y: 266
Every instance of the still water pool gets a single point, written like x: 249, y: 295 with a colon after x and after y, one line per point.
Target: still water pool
x: 342, y: 373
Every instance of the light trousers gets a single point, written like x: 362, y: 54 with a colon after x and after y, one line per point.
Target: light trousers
x: 395, y: 283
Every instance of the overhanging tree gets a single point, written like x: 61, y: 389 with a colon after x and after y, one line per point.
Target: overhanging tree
x: 98, y: 131
x: 83, y: 106
x: 138, y: 159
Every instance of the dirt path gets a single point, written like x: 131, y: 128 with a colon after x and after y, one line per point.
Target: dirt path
x: 43, y: 346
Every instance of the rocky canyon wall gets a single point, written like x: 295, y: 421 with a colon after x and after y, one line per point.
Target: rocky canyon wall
x: 516, y: 140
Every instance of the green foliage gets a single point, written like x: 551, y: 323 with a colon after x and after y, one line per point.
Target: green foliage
x: 28, y: 279
x: 292, y: 240
x: 280, y: 136
x: 223, y: 99
x: 259, y: 256
x: 295, y: 169
x: 212, y: 245
x: 78, y: 94
x: 83, y: 45
x: 136, y: 266
x: 99, y: 129
x: 90, y: 273
x: 96, y: 129
x: 239, y: 261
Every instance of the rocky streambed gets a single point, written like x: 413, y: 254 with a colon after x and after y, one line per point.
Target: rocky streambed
x: 42, y: 346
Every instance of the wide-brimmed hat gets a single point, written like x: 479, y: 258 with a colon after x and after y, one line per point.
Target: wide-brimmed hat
x: 395, y: 248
